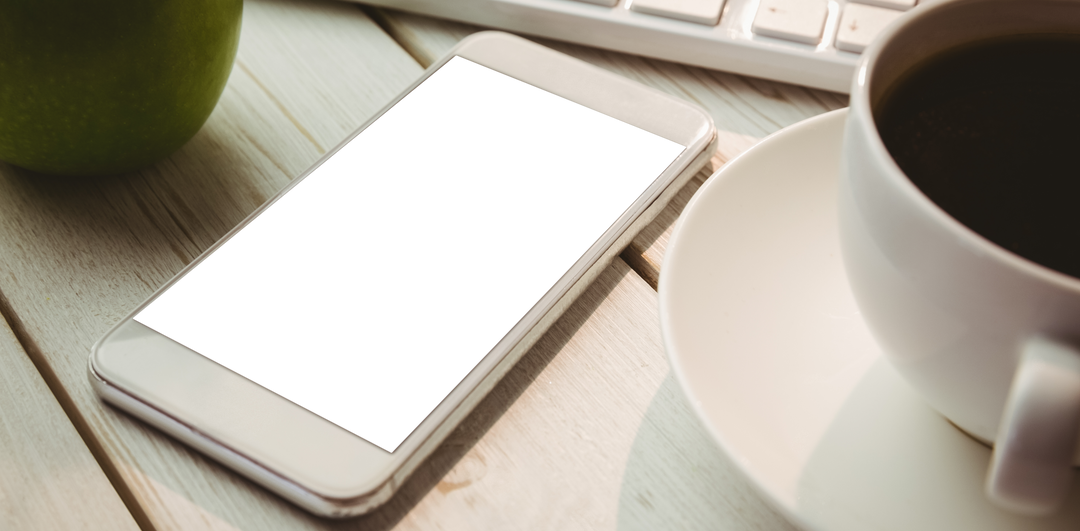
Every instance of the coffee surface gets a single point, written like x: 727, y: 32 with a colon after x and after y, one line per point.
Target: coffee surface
x: 991, y: 133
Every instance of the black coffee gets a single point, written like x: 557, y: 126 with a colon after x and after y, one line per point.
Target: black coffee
x: 991, y: 133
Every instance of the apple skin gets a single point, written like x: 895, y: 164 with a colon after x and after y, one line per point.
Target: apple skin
x: 96, y: 87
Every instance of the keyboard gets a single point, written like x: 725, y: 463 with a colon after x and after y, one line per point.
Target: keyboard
x: 815, y: 43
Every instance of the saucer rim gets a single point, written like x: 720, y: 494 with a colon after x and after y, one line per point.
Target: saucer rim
x: 703, y: 194
x: 799, y: 163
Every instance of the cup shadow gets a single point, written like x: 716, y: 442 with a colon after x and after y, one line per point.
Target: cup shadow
x: 887, y: 457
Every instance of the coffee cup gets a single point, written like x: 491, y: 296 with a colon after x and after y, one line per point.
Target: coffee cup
x: 954, y: 215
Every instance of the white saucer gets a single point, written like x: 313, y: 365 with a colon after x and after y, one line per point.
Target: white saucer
x: 767, y: 342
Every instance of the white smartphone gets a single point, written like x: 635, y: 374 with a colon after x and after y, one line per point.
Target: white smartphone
x: 325, y: 346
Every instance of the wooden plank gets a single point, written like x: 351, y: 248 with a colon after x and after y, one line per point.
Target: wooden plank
x: 77, y: 254
x: 745, y: 109
x: 48, y: 478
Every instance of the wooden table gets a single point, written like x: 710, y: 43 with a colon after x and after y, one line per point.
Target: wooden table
x: 589, y: 431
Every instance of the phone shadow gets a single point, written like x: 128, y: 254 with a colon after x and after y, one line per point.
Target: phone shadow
x: 432, y: 474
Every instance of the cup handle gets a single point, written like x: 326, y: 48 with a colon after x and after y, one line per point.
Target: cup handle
x: 1031, y: 467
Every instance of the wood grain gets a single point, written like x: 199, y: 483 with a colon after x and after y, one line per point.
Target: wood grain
x: 76, y: 255
x: 646, y: 252
x: 48, y: 479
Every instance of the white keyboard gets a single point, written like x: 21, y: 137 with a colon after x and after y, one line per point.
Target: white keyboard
x: 807, y: 42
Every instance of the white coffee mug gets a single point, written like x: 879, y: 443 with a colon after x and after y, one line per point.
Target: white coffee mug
x: 990, y: 339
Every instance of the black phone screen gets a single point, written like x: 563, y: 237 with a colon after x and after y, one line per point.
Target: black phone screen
x: 368, y: 291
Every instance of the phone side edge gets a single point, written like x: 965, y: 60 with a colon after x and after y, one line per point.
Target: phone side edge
x: 319, y: 504
x: 488, y: 382
x: 646, y: 208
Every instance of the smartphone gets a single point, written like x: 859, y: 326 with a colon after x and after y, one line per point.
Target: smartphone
x: 328, y: 344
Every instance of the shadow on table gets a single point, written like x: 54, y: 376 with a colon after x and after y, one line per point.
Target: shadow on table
x: 888, y: 461
x: 491, y: 408
x: 458, y: 444
x: 678, y: 478
x: 148, y: 225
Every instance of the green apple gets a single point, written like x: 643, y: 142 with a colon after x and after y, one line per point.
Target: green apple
x: 94, y: 87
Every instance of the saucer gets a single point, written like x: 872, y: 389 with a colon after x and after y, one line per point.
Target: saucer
x: 766, y: 341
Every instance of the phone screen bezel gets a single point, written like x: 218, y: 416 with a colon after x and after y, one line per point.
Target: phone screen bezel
x: 306, y: 458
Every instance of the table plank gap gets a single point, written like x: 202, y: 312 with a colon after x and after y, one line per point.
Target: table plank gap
x: 643, y: 252
x: 646, y: 251
x: 54, y: 438
x: 281, y: 107
x: 79, y: 254
x: 399, y: 33
x: 634, y: 256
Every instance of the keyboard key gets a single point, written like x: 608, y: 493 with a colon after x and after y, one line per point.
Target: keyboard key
x: 730, y: 45
x: 608, y: 3
x: 699, y: 11
x: 792, y: 20
x: 860, y: 24
x: 902, y: 5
